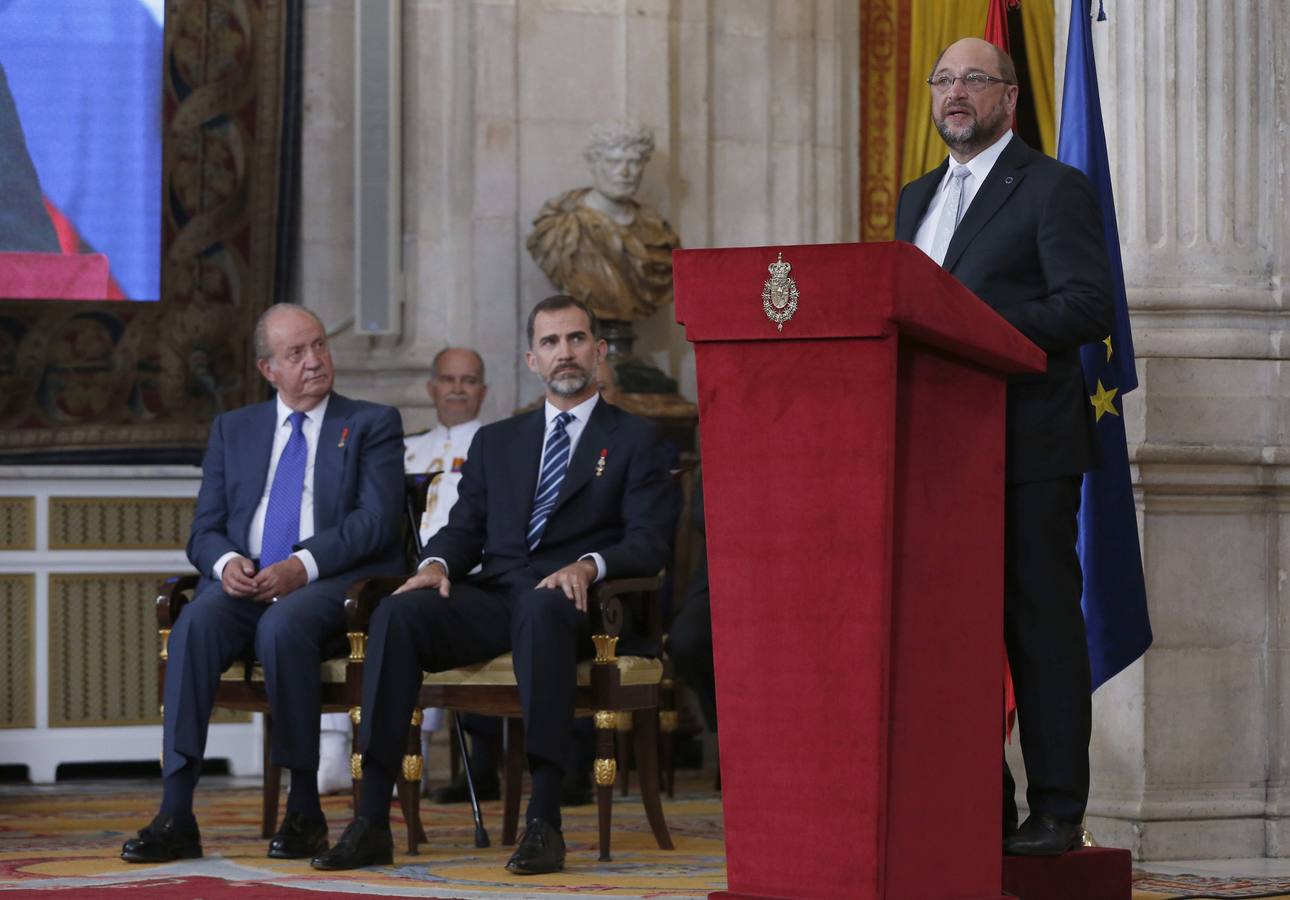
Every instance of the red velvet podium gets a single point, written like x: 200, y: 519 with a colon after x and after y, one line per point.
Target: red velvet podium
x: 853, y: 487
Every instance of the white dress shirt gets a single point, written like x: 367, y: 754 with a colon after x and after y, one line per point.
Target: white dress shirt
x: 979, y: 166
x: 310, y: 428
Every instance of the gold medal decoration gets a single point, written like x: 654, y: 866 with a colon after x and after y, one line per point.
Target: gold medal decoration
x: 779, y: 295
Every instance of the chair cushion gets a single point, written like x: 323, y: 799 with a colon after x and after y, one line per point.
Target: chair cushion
x: 333, y: 672
x: 501, y: 671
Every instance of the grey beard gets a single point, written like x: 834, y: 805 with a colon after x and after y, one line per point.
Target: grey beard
x: 568, y: 385
x: 961, y: 141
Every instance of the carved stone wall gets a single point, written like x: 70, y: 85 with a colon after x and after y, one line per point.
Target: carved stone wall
x: 752, y: 105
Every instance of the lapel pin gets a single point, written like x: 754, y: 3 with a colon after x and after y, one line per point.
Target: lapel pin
x: 344, y: 433
x: 600, y: 463
x: 1008, y: 180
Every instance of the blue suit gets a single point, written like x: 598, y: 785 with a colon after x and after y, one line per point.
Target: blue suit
x: 620, y: 510
x: 358, y: 500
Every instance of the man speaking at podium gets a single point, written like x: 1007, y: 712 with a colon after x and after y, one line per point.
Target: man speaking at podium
x: 1023, y: 232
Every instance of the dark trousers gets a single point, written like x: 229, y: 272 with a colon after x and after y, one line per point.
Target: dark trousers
x: 689, y: 642
x: 1047, y: 649
x: 422, y: 631
x: 290, y: 638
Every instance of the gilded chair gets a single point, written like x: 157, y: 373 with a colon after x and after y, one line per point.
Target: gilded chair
x: 609, y: 686
x: 241, y: 687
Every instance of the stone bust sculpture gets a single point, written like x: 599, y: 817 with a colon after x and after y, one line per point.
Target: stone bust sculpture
x: 597, y: 243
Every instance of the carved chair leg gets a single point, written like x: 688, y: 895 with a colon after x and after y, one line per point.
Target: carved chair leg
x: 514, y: 784
x: 647, y: 768
x: 409, y: 784
x: 272, y: 785
x: 355, y: 759
x: 667, y: 724
x: 622, y: 752
x: 604, y: 770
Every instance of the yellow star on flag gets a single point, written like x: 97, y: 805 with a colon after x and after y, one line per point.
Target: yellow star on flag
x: 1102, y: 401
x: 1108, y: 347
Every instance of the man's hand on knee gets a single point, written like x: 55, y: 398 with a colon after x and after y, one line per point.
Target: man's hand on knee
x: 280, y: 579
x: 430, y: 577
x: 575, y: 580
x: 238, y: 577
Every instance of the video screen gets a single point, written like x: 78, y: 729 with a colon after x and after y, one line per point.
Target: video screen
x: 80, y: 149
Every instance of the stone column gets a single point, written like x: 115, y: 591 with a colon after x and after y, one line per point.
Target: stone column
x: 1190, y: 753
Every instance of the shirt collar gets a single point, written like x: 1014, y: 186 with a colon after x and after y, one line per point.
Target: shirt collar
x: 460, y: 426
x: 581, y: 412
x: 981, y: 164
x: 314, y: 415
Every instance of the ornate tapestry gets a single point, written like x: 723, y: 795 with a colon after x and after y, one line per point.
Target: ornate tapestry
x: 78, y: 376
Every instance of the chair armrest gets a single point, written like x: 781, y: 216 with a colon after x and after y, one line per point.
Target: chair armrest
x: 172, y: 595
x: 607, y: 609
x: 362, y: 597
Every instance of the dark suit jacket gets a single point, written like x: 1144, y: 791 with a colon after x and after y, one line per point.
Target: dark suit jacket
x: 623, y: 514
x: 1031, y: 245
x: 358, y: 487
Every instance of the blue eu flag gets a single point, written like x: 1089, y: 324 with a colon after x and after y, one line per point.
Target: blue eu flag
x: 1115, y: 594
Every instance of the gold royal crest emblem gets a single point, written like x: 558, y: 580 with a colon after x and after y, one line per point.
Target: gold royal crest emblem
x: 779, y: 294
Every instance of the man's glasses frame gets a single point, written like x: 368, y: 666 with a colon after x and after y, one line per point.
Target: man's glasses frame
x: 975, y: 82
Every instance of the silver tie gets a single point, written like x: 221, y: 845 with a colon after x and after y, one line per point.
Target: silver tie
x: 951, y: 213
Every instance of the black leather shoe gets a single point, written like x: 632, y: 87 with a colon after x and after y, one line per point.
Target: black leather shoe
x: 362, y: 844
x: 1044, y: 835
x: 163, y: 840
x: 540, y: 852
x: 300, y: 837
x: 457, y: 791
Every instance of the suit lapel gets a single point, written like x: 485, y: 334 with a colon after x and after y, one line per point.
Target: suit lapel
x: 999, y: 185
x: 526, y: 460
x: 258, y: 449
x: 329, y: 459
x: 920, y: 193
x: 595, y: 437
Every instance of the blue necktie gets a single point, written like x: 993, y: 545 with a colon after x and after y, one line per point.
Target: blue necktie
x: 282, y: 517
x: 554, y: 462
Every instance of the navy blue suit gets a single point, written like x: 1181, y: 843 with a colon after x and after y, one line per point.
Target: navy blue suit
x: 358, y: 501
x: 623, y: 514
x: 1031, y: 246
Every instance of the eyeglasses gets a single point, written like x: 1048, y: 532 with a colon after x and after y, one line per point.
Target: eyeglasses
x: 975, y: 82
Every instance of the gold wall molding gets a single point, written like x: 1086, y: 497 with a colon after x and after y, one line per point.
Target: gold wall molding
x: 103, y: 648
x: 18, y: 651
x: 17, y: 523
x: 120, y: 523
x: 884, y: 60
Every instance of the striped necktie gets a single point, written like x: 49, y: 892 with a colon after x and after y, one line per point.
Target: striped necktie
x: 554, y: 463
x: 282, y: 515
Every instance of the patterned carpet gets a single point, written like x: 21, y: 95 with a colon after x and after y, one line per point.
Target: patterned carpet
x: 70, y: 839
x: 1147, y: 886
x: 67, y: 838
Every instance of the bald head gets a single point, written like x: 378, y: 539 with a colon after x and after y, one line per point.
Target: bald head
x: 1006, y: 69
